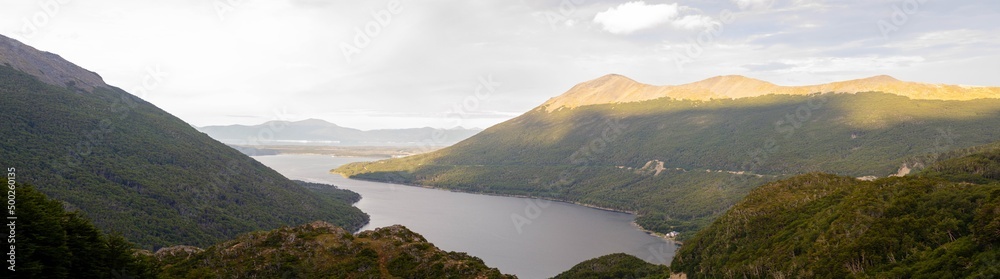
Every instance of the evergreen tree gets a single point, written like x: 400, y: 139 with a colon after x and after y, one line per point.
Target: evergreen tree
x: 54, y: 243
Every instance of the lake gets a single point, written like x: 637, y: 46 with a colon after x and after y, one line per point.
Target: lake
x: 529, y: 238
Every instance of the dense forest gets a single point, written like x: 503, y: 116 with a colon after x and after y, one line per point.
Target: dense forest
x: 51, y: 242
x: 137, y: 170
x: 54, y: 243
x: 712, y: 153
x: 941, y: 223
x: 321, y: 250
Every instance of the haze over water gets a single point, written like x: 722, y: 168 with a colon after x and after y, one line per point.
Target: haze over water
x: 558, y: 236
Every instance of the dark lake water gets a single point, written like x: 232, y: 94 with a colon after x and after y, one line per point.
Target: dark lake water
x: 529, y: 238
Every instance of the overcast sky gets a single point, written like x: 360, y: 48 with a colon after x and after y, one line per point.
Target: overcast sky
x: 419, y: 63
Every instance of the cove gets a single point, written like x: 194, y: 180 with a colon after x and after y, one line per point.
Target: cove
x: 530, y: 238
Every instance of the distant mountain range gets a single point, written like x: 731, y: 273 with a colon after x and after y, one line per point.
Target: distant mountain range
x: 681, y: 155
x: 320, y: 132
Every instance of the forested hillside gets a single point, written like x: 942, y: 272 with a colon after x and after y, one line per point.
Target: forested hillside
x: 618, y: 265
x: 53, y: 243
x: 50, y: 242
x: 135, y: 169
x: 680, y: 163
x: 942, y: 223
x: 321, y: 250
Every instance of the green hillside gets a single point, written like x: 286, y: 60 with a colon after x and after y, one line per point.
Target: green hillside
x: 321, y: 250
x: 612, y: 266
x: 942, y: 223
x: 135, y: 169
x: 53, y: 243
x: 712, y: 152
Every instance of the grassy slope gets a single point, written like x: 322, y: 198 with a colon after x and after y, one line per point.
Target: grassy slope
x: 575, y: 154
x: 943, y: 223
x: 135, y: 169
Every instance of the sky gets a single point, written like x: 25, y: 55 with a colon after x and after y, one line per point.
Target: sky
x: 429, y: 63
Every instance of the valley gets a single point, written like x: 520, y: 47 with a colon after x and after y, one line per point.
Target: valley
x: 641, y: 139
x: 524, y: 237
x: 598, y: 154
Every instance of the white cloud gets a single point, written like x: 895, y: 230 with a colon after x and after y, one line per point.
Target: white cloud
x: 633, y: 16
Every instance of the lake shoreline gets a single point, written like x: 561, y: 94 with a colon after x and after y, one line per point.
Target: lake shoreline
x: 490, y: 226
x: 647, y: 231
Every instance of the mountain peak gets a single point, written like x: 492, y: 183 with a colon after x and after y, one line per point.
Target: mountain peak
x: 608, y: 81
x: 614, y: 88
x: 612, y: 78
x: 314, y: 122
x: 47, y: 67
x: 882, y: 78
x: 609, y: 88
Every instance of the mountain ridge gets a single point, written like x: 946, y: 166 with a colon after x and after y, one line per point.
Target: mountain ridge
x: 321, y: 122
x: 136, y: 169
x: 47, y: 67
x: 712, y: 151
x: 615, y: 88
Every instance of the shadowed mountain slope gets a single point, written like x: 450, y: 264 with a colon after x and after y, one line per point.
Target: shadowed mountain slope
x: 134, y: 168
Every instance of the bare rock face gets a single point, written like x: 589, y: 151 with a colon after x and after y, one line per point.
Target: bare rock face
x: 47, y: 67
x: 615, y: 88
